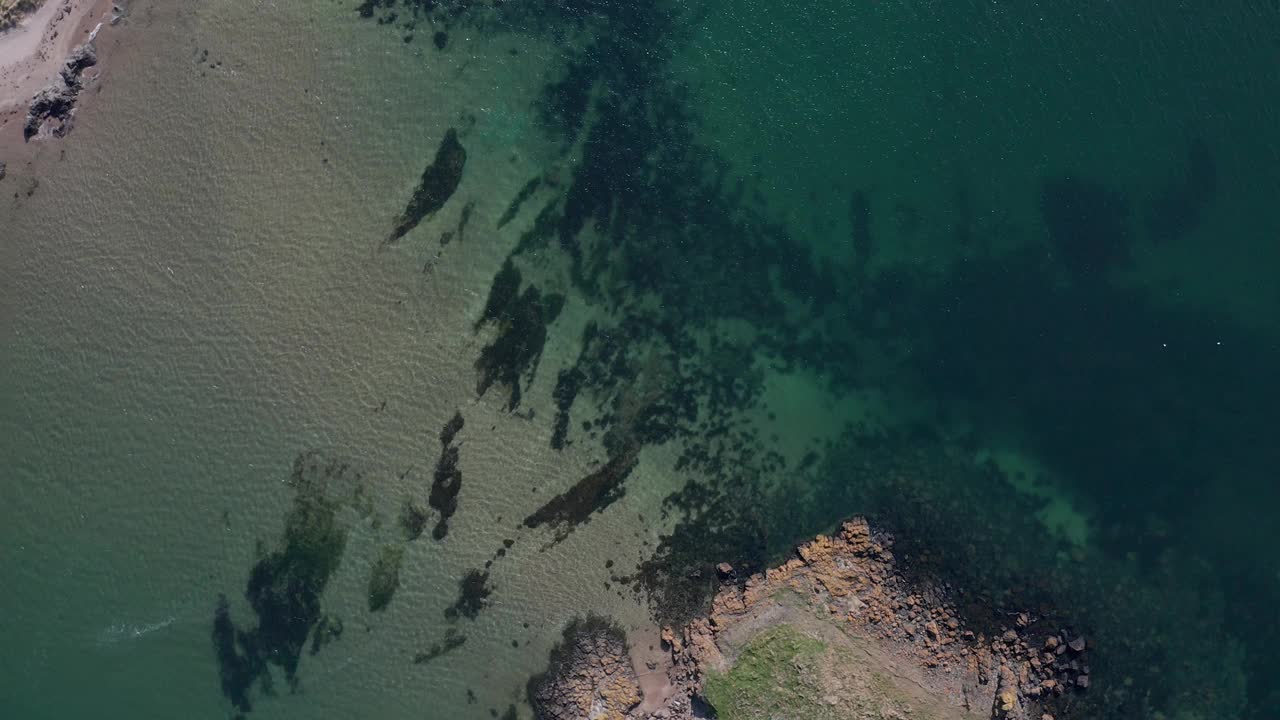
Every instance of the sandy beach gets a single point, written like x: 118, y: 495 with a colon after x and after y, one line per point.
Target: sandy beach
x: 32, y: 53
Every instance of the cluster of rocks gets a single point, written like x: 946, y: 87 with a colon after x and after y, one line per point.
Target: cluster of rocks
x: 590, y: 676
x: 1020, y: 671
x: 54, y: 106
x: 854, y: 577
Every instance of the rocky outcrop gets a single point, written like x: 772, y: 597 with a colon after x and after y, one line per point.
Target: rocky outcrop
x: 886, y: 643
x: 53, y: 108
x: 590, y: 675
x: 1021, y: 671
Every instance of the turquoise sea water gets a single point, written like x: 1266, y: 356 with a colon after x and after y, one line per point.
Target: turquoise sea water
x: 714, y: 275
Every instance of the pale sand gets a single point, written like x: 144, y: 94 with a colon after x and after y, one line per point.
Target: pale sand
x: 32, y: 53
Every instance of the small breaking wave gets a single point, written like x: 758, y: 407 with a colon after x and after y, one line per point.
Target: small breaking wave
x: 120, y: 632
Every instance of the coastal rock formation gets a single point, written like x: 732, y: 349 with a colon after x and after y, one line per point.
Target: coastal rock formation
x: 437, y: 185
x: 54, y: 106
x: 1020, y: 670
x: 590, y: 675
x: 838, y: 631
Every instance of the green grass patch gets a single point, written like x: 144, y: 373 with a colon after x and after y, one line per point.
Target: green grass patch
x: 769, y: 680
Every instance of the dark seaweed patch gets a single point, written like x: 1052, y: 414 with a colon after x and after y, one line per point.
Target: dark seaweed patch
x: 413, y: 520
x: 452, y: 641
x: 502, y: 295
x: 285, y: 585
x: 367, y: 8
x: 522, y: 321
x: 1179, y: 205
x: 384, y: 577
x: 563, y: 105
x: 721, y: 521
x: 525, y: 193
x: 1088, y: 224
x: 473, y: 596
x: 565, y: 392
x: 240, y: 662
x: 591, y: 494
x: 437, y: 185
x: 860, y: 231
x: 327, y: 630
x: 463, y: 219
x: 447, y: 479
x: 451, y: 429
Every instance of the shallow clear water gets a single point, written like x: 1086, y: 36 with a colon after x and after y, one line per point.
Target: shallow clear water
x: 836, y: 259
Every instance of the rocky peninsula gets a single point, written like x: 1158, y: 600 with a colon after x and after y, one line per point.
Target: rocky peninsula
x: 841, y: 630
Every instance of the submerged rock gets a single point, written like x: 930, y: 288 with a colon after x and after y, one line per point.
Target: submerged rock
x: 437, y: 185
x: 84, y: 56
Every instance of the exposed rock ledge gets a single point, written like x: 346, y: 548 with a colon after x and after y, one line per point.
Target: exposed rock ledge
x: 53, y: 108
x: 836, y: 632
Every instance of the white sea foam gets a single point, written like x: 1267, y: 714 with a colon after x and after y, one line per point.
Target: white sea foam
x: 119, y: 632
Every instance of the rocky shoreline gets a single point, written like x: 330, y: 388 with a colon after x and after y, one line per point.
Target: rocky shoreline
x: 844, y: 591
